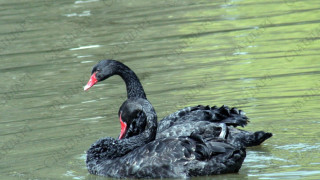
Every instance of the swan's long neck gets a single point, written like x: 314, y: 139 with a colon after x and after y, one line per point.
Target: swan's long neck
x: 107, y: 149
x: 152, y: 123
x: 150, y: 131
x: 133, y: 84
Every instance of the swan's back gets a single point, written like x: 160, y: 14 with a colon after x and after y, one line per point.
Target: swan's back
x: 176, y: 157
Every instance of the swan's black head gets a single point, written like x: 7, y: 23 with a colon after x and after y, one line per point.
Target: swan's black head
x: 101, y: 71
x: 129, y: 113
x: 106, y: 68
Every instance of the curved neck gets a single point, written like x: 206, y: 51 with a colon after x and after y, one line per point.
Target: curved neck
x: 145, y: 137
x: 133, y: 84
x: 110, y: 148
x: 150, y: 131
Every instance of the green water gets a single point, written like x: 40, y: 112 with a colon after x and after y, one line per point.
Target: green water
x: 261, y: 56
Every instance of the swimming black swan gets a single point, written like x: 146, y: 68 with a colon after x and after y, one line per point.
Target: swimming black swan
x: 143, y: 156
x: 182, y: 122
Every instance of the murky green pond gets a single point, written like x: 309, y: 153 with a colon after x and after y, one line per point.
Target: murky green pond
x: 261, y: 56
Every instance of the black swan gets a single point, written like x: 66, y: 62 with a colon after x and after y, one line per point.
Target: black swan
x: 182, y: 122
x: 143, y: 156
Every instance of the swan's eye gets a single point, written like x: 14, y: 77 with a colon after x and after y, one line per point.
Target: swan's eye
x: 98, y: 70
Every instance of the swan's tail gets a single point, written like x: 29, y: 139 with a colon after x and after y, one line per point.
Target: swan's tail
x: 243, y: 138
x: 257, y: 138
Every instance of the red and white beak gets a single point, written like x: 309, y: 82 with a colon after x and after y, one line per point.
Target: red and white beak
x: 123, y: 128
x: 93, y: 80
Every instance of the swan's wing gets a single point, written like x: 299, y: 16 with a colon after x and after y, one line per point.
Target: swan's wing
x: 204, y: 128
x: 188, y: 116
x: 178, y: 157
x: 223, y: 114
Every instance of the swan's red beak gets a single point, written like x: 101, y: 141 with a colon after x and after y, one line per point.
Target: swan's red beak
x: 123, y: 128
x: 93, y: 80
